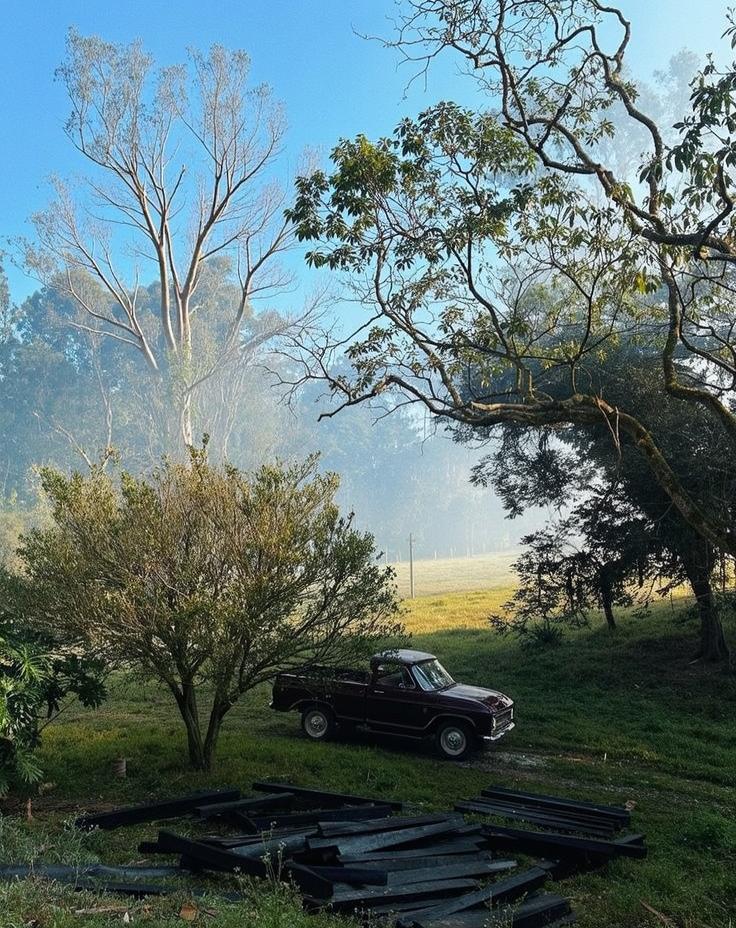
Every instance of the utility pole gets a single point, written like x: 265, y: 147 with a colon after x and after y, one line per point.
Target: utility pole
x: 411, y: 565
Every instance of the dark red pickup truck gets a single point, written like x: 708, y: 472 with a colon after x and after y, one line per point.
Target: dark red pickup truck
x: 404, y: 693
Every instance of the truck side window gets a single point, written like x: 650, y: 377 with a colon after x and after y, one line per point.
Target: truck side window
x: 394, y: 675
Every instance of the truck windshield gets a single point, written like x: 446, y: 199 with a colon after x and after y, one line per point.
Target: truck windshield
x: 431, y: 675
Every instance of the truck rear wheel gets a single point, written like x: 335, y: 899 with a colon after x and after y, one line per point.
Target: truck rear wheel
x: 318, y: 723
x: 454, y: 740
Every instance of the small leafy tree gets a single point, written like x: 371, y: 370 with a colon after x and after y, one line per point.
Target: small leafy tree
x: 209, y: 579
x: 36, y: 676
x: 605, y: 553
x: 550, y: 595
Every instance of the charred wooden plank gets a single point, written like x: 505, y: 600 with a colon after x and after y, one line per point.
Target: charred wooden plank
x: 275, y: 835
x: 421, y: 863
x: 309, y: 883
x: 557, y: 802
x: 289, y: 819
x: 523, y: 815
x: 445, y: 848
x: 154, y: 811
x: 532, y: 913
x: 406, y: 836
x: 271, y: 847
x: 273, y: 802
x: 208, y: 857
x: 354, y: 876
x: 343, y: 901
x: 573, y: 815
x: 331, y: 829
x: 467, y: 869
x: 553, y: 845
x: 499, y: 893
x: 324, y: 796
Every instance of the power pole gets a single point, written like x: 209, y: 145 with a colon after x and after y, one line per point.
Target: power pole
x: 411, y: 565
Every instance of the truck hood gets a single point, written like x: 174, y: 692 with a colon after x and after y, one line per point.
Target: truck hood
x: 491, y: 698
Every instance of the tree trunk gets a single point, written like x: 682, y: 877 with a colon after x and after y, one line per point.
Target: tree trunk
x: 219, y: 710
x: 606, y: 589
x: 698, y: 564
x: 186, y: 699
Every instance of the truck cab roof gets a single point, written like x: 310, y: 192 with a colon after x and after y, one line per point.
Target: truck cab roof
x: 403, y: 656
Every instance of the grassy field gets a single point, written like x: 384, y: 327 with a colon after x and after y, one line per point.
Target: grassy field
x: 458, y: 574
x: 614, y: 718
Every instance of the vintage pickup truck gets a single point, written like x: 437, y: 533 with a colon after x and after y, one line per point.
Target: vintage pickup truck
x: 404, y: 693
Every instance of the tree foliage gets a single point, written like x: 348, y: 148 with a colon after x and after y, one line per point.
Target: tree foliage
x: 37, y: 675
x: 454, y: 226
x: 616, y: 511
x: 208, y: 579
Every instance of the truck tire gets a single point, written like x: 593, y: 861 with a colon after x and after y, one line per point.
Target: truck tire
x: 318, y: 723
x: 454, y: 740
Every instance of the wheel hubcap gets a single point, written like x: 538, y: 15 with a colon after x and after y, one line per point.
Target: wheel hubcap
x: 316, y: 724
x: 453, y: 741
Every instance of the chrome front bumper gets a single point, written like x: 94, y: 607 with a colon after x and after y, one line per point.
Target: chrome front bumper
x: 499, y: 734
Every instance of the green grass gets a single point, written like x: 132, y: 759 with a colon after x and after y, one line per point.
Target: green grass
x: 458, y: 574
x: 603, y: 717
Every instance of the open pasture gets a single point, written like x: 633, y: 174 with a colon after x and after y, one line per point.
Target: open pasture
x: 611, y: 718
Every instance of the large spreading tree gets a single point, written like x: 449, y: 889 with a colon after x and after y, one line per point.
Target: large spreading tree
x: 208, y: 579
x: 452, y: 227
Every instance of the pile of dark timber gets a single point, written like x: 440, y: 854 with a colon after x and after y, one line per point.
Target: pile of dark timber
x: 362, y: 856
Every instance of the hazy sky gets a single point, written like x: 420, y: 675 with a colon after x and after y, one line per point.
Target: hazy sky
x: 332, y: 82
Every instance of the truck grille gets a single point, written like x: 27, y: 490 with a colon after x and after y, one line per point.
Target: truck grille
x: 502, y: 719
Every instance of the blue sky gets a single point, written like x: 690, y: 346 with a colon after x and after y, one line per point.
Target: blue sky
x: 332, y: 82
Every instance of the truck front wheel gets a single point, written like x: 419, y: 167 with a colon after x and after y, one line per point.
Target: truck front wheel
x: 317, y: 723
x: 454, y: 740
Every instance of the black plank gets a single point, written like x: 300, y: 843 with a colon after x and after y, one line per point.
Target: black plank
x: 330, y: 829
x: 355, y: 876
x: 271, y: 848
x: 343, y: 901
x: 154, y: 811
x: 309, y: 883
x: 587, y: 818
x: 66, y: 873
x: 136, y: 890
x: 550, y: 844
x: 274, y: 802
x: 533, y: 913
x: 362, y: 844
x: 290, y: 819
x: 421, y: 863
x: 499, y: 893
x: 471, y: 869
x: 326, y: 796
x: 209, y: 857
x: 545, y: 821
x: 557, y: 802
x: 445, y: 848
x: 275, y: 835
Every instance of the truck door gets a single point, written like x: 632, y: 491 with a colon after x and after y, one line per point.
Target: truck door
x: 394, y: 702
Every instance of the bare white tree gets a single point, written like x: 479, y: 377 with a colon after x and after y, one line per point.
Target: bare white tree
x: 181, y: 174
